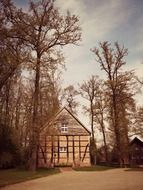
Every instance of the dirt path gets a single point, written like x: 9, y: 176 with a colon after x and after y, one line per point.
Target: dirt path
x: 116, y: 179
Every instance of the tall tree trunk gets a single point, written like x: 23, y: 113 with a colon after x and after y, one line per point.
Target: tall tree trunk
x: 7, y: 96
x: 17, y: 111
x: 93, y: 144
x: 116, y: 130
x: 34, y: 131
x: 104, y: 140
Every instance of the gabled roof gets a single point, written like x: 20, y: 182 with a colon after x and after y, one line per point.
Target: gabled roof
x: 137, y: 141
x: 77, y: 120
x: 71, y: 114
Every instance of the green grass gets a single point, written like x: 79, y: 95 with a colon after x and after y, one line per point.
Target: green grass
x: 94, y: 168
x: 12, y: 176
x: 137, y: 169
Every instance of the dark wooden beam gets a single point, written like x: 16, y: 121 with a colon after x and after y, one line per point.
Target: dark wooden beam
x: 85, y: 152
x: 45, y: 148
x: 67, y: 148
x: 73, y: 149
x: 52, y: 149
x: 79, y: 149
x: 58, y: 149
x: 44, y: 157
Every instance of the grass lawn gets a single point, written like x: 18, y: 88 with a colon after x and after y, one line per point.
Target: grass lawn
x: 11, y: 176
x: 94, y: 168
x: 137, y: 169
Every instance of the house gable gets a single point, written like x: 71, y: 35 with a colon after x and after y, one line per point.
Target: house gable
x: 65, y: 117
x: 64, y: 141
x: 136, y: 141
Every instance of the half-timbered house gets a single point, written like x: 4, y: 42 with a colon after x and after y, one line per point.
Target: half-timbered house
x: 64, y: 141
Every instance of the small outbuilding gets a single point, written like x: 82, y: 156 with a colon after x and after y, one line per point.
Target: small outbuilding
x: 136, y: 151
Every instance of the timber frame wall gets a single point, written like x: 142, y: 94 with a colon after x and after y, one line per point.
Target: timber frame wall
x: 70, y: 148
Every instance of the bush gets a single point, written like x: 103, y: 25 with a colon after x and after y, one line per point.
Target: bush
x: 9, y: 150
x: 6, y: 160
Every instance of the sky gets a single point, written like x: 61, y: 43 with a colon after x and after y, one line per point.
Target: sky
x: 102, y: 20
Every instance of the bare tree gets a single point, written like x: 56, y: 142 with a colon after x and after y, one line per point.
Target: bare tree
x: 100, y: 115
x: 69, y: 94
x: 12, y: 50
x: 89, y: 91
x: 42, y: 29
x: 137, y: 123
x: 120, y: 92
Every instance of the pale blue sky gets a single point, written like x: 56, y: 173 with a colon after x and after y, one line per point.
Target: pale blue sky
x: 102, y: 20
x: 105, y: 20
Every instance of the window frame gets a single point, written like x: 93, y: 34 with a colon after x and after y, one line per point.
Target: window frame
x: 63, y: 149
x: 64, y: 128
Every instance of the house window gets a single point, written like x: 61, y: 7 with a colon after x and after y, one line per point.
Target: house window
x: 64, y: 128
x: 63, y: 149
